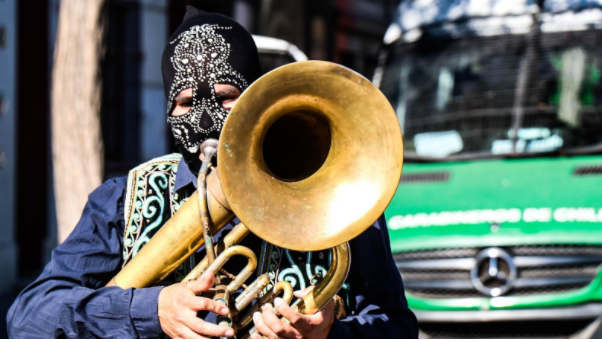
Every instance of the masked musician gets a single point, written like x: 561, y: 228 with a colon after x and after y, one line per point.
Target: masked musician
x: 209, y: 61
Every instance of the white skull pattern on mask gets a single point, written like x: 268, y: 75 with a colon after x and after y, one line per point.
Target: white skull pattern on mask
x: 200, y: 61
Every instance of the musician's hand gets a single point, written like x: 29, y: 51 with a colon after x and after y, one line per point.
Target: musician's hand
x: 269, y: 325
x: 178, y: 307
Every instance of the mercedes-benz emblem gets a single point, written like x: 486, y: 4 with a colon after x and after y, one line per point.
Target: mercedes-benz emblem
x: 494, y: 272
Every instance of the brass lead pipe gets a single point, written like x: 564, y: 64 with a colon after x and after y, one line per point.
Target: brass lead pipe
x: 204, y: 212
x: 208, y: 149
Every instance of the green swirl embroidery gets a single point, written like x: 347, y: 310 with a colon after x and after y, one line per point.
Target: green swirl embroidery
x: 158, y: 182
x: 150, y: 200
x: 290, y: 273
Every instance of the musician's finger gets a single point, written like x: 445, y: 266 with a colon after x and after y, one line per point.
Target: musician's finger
x: 325, y: 314
x: 302, y: 293
x: 262, y: 328
x: 256, y: 337
x: 202, y: 284
x: 206, y: 304
x: 287, y: 312
x: 203, y: 328
x: 328, y: 308
x: 186, y: 333
x: 274, y: 323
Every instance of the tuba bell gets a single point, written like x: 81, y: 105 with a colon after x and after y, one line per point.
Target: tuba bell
x: 309, y: 158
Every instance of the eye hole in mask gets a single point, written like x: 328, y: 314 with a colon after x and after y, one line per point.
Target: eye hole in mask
x: 226, y: 96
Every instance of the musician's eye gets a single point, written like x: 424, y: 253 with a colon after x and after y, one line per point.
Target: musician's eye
x: 227, y: 102
x: 185, y: 104
x: 182, y: 103
x: 227, y: 95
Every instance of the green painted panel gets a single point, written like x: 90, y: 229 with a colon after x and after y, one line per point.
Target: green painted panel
x: 535, y: 201
x: 500, y: 203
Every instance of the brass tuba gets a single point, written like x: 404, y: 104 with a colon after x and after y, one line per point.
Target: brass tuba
x: 308, y: 159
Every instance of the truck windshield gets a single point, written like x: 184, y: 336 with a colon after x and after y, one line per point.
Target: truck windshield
x: 519, y: 95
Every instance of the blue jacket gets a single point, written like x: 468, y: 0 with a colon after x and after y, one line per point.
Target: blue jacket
x: 69, y: 298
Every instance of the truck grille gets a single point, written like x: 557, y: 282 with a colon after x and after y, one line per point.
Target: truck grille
x: 511, y: 329
x: 446, y: 273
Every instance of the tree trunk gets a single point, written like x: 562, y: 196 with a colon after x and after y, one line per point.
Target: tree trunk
x: 77, y: 149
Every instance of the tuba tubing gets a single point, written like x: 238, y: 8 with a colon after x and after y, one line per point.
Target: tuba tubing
x: 295, y: 166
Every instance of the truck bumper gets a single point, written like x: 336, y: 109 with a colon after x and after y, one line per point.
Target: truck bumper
x: 581, y: 321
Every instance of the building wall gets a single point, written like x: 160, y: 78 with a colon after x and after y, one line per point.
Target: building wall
x: 8, y: 158
x: 133, y: 108
x: 348, y: 32
x: 32, y: 136
x: 153, y: 37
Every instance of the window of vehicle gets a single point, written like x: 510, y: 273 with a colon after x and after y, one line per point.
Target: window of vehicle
x: 539, y: 92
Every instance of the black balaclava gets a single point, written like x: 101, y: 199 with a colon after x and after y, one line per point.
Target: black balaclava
x: 206, y: 49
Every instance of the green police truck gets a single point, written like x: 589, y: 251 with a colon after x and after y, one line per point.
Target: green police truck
x: 496, y: 226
